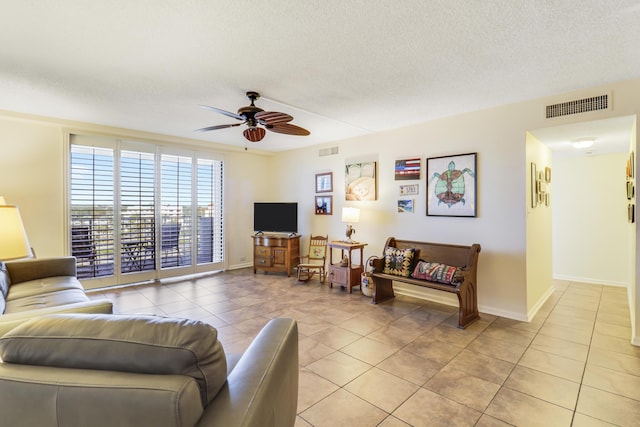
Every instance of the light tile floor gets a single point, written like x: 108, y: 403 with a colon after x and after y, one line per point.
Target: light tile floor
x: 404, y: 362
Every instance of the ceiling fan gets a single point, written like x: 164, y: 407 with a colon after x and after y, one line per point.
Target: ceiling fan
x: 254, y: 117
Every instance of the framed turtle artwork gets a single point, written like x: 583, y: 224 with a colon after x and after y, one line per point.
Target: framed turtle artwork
x: 451, y: 185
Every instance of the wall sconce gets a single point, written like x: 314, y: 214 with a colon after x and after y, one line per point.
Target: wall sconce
x: 350, y: 216
x: 14, y: 243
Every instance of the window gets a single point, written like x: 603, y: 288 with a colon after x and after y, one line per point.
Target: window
x: 176, y: 232
x: 168, y: 209
x: 137, y: 211
x: 209, y: 211
x: 92, y: 210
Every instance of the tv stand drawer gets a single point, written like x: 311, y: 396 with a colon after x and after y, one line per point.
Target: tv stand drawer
x: 262, y: 262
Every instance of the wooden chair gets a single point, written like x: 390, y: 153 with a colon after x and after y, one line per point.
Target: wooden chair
x: 315, y: 259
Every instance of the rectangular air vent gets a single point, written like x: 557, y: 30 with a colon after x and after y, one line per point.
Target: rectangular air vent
x: 578, y: 106
x: 327, y: 151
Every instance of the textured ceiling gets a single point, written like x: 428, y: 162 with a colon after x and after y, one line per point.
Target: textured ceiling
x: 341, y: 68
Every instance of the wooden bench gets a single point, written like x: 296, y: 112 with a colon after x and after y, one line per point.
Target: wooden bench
x: 465, y: 258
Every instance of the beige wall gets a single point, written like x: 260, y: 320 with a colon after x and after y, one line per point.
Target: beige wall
x: 32, y: 176
x: 539, y: 242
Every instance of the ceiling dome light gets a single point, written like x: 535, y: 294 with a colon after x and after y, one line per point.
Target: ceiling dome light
x: 583, y: 143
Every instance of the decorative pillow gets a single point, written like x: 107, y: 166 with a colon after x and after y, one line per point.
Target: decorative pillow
x: 398, y: 261
x: 316, y: 251
x: 436, y: 272
x: 4, y: 280
x: 4, y: 286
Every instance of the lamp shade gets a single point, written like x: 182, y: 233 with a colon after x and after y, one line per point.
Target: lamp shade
x: 2, y: 201
x: 350, y: 215
x: 14, y: 243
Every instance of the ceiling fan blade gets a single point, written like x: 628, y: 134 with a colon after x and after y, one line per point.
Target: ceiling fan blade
x: 226, y: 113
x: 288, y: 129
x: 254, y: 134
x: 208, y: 128
x: 272, y: 117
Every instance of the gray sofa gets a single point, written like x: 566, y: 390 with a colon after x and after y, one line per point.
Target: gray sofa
x: 125, y: 370
x: 36, y: 287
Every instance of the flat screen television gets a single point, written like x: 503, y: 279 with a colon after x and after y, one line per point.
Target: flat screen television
x: 275, y: 217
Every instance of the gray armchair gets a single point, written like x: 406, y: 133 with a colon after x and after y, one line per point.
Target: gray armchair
x: 117, y: 370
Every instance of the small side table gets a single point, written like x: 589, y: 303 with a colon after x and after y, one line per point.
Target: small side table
x: 345, y: 275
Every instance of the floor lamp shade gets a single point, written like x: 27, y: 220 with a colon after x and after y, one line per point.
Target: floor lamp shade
x: 14, y: 243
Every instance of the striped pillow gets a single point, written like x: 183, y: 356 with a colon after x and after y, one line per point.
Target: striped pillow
x: 436, y: 272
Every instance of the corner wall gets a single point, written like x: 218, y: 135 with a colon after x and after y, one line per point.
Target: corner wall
x: 539, y: 241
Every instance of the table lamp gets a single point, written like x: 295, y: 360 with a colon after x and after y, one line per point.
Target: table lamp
x: 14, y: 243
x: 350, y: 216
x: 2, y: 201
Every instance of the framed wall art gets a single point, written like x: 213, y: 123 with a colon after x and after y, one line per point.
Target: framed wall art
x: 324, y: 182
x: 324, y: 205
x: 360, y: 181
x: 407, y: 169
x: 451, y: 185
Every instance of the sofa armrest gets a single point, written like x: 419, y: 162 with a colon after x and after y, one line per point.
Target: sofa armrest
x: 262, y: 389
x: 11, y: 320
x: 40, y: 268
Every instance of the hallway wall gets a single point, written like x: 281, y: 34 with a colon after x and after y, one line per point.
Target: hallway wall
x: 590, y: 228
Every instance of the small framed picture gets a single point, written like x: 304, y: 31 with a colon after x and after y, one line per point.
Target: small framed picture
x: 534, y: 186
x: 405, y: 206
x: 324, y: 205
x: 630, y: 190
x: 409, y: 190
x: 324, y: 182
x: 407, y: 169
x: 547, y: 174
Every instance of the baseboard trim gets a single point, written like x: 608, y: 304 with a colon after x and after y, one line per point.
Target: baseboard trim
x: 590, y: 280
x: 239, y: 266
x: 534, y: 310
x: 452, y: 300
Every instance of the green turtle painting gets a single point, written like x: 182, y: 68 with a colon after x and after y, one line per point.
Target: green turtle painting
x: 449, y: 187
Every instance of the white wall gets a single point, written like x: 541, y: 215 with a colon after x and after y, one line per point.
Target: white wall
x: 499, y: 226
x: 590, y: 228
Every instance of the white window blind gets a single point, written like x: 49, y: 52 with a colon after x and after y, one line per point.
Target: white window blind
x: 137, y: 211
x: 209, y: 211
x: 92, y: 210
x: 176, y: 211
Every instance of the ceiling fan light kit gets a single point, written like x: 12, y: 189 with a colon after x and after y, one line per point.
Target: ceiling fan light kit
x: 257, y: 121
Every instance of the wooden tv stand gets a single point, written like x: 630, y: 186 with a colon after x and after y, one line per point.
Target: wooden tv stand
x: 275, y: 253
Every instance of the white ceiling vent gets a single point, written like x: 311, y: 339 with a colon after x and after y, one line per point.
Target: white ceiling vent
x: 595, y: 103
x: 327, y: 151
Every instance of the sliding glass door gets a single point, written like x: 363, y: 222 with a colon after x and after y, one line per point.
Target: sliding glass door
x: 138, y: 212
